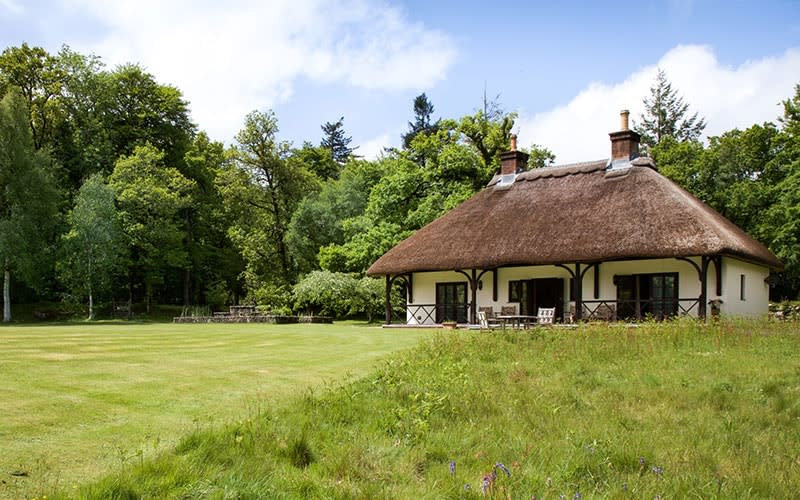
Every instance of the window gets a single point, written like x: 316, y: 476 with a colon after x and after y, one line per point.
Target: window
x: 640, y: 295
x: 514, y: 291
x: 741, y: 287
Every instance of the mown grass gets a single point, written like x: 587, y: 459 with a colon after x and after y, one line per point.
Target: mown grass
x: 671, y: 410
x: 79, y: 401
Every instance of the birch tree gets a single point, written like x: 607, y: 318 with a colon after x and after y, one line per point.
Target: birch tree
x: 28, y: 199
x: 94, y: 248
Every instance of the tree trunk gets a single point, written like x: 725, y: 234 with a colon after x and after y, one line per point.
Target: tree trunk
x: 187, y: 275
x: 91, y: 304
x: 6, y: 295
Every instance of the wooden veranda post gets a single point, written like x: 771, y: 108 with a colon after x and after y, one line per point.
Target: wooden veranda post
x: 578, y: 292
x: 701, y: 309
x: 388, y: 309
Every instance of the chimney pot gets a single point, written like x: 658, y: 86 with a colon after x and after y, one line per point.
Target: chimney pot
x: 623, y: 115
x: 513, y: 142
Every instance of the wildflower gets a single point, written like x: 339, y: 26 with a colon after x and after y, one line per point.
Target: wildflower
x: 657, y: 470
x: 453, y: 467
x: 503, y: 468
x: 642, y: 461
x: 467, y: 487
x: 577, y: 496
x: 487, y: 481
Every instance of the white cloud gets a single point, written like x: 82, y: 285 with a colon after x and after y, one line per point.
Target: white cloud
x: 10, y: 6
x: 373, y: 148
x: 728, y: 97
x: 232, y: 57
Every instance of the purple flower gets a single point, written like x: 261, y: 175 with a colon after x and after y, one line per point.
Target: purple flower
x: 487, y: 480
x: 642, y: 461
x: 503, y: 468
x: 657, y: 470
x: 453, y: 467
x: 577, y: 496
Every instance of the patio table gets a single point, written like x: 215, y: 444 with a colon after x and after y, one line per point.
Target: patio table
x: 517, y: 321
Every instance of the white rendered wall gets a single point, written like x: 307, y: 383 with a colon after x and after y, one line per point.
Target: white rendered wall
x: 424, y: 284
x: 756, y: 293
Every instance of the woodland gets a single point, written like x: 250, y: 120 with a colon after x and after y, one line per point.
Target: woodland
x: 111, y: 193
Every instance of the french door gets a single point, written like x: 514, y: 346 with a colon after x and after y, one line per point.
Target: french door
x: 451, y: 302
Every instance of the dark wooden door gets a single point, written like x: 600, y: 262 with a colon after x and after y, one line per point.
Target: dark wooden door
x: 542, y: 292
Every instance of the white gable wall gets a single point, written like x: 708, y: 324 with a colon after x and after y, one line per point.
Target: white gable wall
x: 756, y: 289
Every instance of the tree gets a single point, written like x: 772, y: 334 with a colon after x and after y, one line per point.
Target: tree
x: 319, y: 161
x: 489, y: 134
x: 422, y: 124
x: 318, y: 220
x: 213, y: 265
x: 666, y: 115
x: 82, y: 139
x: 261, y: 189
x: 139, y: 110
x: 337, y: 142
x: 540, y: 156
x: 40, y: 77
x: 779, y: 225
x: 151, y: 197
x: 28, y: 199
x: 94, y: 248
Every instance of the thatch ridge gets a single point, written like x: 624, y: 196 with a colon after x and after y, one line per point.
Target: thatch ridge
x: 573, y: 213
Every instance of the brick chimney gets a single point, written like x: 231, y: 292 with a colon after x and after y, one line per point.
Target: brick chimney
x: 625, y: 143
x: 513, y: 162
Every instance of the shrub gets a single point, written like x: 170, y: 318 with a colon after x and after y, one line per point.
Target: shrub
x: 338, y: 294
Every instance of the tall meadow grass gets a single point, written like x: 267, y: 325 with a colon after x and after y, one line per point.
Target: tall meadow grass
x: 662, y: 410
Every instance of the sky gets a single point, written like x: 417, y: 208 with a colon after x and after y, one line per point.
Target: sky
x: 566, y: 68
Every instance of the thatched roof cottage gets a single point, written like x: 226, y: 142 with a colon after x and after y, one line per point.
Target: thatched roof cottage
x: 610, y: 239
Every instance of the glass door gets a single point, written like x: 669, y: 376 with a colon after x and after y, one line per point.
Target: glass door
x: 451, y: 302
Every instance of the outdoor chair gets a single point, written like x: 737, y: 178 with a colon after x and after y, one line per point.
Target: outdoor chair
x: 545, y: 315
x: 483, y: 321
x: 508, y: 310
x: 491, y: 320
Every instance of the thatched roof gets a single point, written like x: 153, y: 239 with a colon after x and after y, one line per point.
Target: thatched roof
x: 574, y: 213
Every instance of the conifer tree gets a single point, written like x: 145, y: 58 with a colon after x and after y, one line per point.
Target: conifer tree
x: 336, y: 140
x: 667, y: 115
x: 423, y: 112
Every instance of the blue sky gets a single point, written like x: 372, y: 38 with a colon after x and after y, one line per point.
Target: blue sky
x: 567, y: 68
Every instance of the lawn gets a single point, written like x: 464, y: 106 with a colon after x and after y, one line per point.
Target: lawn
x: 665, y: 410
x: 79, y: 401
